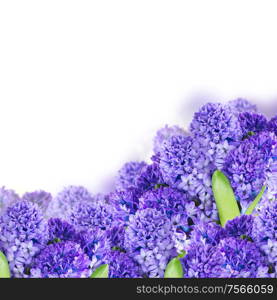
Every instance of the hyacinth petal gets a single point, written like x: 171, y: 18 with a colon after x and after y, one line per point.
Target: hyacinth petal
x: 174, y: 269
x: 224, y: 197
x: 252, y: 206
x: 4, y: 266
x: 101, y: 272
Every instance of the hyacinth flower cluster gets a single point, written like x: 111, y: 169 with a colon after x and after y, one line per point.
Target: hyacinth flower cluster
x: 203, y: 205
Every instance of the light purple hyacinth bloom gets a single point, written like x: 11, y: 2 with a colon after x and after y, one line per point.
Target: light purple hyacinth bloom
x: 41, y: 198
x: 66, y: 199
x: 241, y: 105
x: 150, y: 241
x: 88, y: 215
x: 128, y: 175
x: 7, y: 198
x: 185, y: 166
x: 265, y: 231
x: 164, y: 134
x: 61, y: 260
x: 216, y: 128
x: 251, y: 165
x: 23, y: 233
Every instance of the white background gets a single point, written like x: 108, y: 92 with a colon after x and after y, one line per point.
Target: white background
x: 85, y: 84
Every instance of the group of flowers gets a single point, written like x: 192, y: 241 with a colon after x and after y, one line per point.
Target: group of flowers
x: 160, y: 211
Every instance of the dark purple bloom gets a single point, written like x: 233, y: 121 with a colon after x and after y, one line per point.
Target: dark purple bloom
x: 61, y: 260
x: 272, y: 125
x: 150, y: 177
x: 241, y: 226
x: 41, y: 198
x: 231, y: 257
x: 23, y: 233
x: 128, y: 175
x: 94, y: 243
x: 115, y: 236
x: 175, y: 204
x: 60, y: 230
x: 125, y: 201
x: 252, y: 123
x: 121, y: 265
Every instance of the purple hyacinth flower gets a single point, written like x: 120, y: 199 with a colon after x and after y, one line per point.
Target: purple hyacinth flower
x: 241, y: 105
x: 272, y: 125
x: 121, y: 265
x: 251, y: 165
x: 90, y: 215
x: 23, y: 233
x: 65, y: 200
x: 175, y: 204
x: 164, y: 134
x: 61, y: 260
x: 149, y: 239
x: 230, y: 258
x: 7, y: 198
x: 128, y: 174
x: 41, y: 198
x: 241, y: 226
x: 252, y: 123
x: 60, y: 230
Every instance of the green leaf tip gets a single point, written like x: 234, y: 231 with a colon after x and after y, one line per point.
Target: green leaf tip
x: 101, y: 272
x: 226, y: 202
x: 252, y: 206
x: 4, y: 266
x: 182, y: 254
x: 174, y: 269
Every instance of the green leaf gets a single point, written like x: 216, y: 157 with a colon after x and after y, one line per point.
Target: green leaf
x: 252, y: 206
x: 4, y: 266
x: 174, y: 269
x: 101, y: 272
x: 226, y: 202
x: 182, y: 254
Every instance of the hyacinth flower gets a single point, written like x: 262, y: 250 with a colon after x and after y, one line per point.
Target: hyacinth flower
x: 23, y: 233
x: 63, y: 203
x: 41, y: 198
x: 120, y: 265
x: 7, y: 198
x: 252, y: 165
x: 128, y: 174
x: 149, y: 239
x: 61, y: 260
